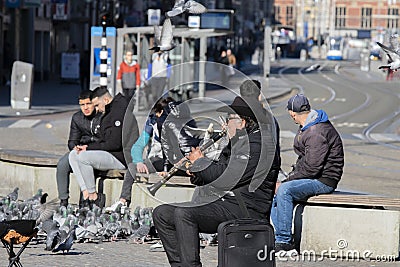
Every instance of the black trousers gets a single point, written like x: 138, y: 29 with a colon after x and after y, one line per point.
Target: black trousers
x: 179, y: 228
x: 129, y: 92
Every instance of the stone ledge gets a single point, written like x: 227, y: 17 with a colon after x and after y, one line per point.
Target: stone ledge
x: 29, y: 157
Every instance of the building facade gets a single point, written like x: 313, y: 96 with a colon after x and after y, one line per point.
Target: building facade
x: 39, y: 31
x: 313, y: 18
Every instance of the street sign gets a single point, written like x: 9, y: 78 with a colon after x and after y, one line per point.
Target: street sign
x: 32, y: 3
x: 153, y: 16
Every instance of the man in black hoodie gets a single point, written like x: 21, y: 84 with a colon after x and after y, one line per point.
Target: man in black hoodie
x: 105, y: 154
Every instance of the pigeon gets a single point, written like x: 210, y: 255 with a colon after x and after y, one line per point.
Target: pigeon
x: 182, y: 6
x: 66, y: 241
x: 37, y: 196
x: 140, y: 234
x: 53, y: 235
x: 163, y: 39
x: 312, y: 67
x: 14, y: 194
x: 46, y: 209
x: 393, y: 53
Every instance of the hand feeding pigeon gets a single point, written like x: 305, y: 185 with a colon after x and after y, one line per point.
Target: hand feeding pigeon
x: 163, y: 39
x: 182, y: 6
x: 393, y: 53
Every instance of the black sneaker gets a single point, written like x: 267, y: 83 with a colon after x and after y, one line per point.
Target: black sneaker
x: 64, y: 202
x: 100, y: 201
x: 285, y: 249
x: 84, y: 204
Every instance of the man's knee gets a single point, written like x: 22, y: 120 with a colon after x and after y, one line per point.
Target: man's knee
x: 183, y: 213
x: 159, y: 212
x: 284, y: 189
x: 73, y: 156
x: 63, y: 163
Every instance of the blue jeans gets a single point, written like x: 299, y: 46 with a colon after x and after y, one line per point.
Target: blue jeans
x: 282, y: 205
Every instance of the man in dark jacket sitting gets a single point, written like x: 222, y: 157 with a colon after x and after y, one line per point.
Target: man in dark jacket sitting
x: 179, y: 225
x: 318, y: 169
x: 84, y: 129
x: 107, y: 153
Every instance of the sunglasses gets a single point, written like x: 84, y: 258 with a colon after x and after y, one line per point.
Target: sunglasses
x: 232, y: 118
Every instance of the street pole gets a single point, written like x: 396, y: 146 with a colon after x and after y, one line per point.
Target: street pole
x: 103, y: 54
x: 267, y: 48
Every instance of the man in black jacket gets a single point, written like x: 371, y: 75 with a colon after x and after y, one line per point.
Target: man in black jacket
x: 107, y: 153
x: 179, y: 225
x: 318, y: 169
x: 83, y: 130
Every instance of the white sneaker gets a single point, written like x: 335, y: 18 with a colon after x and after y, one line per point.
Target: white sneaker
x: 117, y: 206
x: 157, y: 247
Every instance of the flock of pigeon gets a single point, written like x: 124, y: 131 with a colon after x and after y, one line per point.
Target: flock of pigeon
x: 163, y: 38
x: 60, y: 226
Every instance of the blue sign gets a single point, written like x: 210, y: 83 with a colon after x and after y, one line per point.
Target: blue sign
x: 13, y: 3
x: 97, y: 60
x: 98, y: 31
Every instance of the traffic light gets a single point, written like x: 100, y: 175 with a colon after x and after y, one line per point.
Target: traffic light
x: 105, y: 18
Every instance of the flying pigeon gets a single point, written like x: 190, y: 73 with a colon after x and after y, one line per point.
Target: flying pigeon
x: 312, y: 67
x: 46, y: 209
x: 182, y: 6
x: 393, y: 53
x: 163, y: 38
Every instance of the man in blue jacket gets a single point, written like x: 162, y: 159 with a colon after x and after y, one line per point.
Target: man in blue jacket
x: 318, y: 169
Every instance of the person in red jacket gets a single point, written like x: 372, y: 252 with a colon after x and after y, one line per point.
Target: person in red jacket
x: 128, y: 75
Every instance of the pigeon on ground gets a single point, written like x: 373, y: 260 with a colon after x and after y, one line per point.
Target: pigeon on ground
x: 13, y: 195
x: 140, y: 234
x: 163, y: 39
x: 53, y: 235
x: 182, y: 6
x: 392, y: 53
x: 66, y: 241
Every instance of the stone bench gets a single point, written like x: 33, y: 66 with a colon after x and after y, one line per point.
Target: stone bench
x: 30, y: 170
x: 348, y: 225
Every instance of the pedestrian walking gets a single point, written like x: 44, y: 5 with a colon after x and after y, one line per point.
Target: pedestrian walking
x: 128, y: 76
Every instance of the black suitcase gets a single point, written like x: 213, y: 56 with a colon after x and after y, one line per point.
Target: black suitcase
x: 246, y: 243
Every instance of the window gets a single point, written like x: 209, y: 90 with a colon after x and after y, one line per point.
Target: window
x: 366, y: 17
x: 289, y: 15
x: 277, y: 11
x: 340, y: 17
x: 393, y: 21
